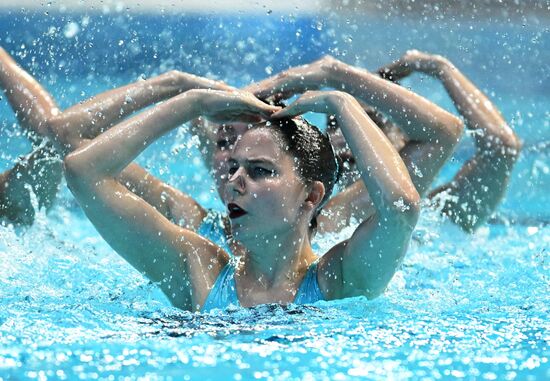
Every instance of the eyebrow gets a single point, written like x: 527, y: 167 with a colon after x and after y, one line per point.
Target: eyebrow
x: 258, y: 160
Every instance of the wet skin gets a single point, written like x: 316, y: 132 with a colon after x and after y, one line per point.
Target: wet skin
x: 262, y: 182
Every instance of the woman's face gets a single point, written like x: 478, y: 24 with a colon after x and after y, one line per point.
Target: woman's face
x: 263, y: 193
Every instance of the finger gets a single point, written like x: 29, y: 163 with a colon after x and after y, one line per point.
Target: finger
x: 263, y: 109
x: 287, y: 112
x: 395, y: 71
x: 299, y: 107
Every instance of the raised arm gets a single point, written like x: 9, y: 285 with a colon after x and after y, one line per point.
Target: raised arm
x: 364, y: 264
x: 86, y: 120
x: 476, y: 190
x: 41, y: 170
x: 431, y: 132
x: 183, y: 263
x: 32, y: 104
x: 39, y: 116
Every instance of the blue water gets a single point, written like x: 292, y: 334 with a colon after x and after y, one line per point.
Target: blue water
x: 462, y: 306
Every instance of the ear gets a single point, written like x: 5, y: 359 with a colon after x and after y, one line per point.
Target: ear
x: 315, y: 194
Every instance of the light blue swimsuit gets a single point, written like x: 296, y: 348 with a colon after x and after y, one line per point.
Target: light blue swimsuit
x: 224, y: 291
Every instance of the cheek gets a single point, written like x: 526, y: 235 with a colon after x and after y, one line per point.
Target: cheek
x: 283, y: 198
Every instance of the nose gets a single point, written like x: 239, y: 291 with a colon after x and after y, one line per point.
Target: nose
x: 236, y: 181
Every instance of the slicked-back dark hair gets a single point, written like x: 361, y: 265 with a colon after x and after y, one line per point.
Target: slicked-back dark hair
x: 315, y: 157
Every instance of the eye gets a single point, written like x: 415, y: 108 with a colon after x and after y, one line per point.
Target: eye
x: 262, y: 172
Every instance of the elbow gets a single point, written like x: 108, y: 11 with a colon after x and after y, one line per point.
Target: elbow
x: 456, y: 129
x: 512, y: 146
x: 503, y: 147
x: 452, y: 131
x: 413, y: 212
x: 406, y: 209
x: 75, y: 171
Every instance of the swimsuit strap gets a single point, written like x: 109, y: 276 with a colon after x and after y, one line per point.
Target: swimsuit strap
x: 309, y: 291
x: 224, y: 291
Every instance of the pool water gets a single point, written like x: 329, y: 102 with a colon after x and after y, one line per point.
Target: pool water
x: 461, y: 307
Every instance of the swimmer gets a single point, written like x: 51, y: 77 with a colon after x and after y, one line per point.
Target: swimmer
x: 40, y: 117
x: 69, y: 135
x: 476, y: 190
x: 479, y: 186
x: 280, y: 173
x: 39, y: 172
x: 338, y: 213
x: 89, y: 118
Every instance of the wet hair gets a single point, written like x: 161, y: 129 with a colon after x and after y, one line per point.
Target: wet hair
x: 315, y: 157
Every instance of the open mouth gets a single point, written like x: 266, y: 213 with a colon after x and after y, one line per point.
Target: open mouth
x: 235, y: 211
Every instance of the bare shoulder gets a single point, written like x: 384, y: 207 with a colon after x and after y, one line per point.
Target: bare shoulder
x: 191, y: 273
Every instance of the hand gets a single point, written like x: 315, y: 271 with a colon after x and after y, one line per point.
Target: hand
x: 230, y: 106
x: 294, y: 81
x: 411, y: 61
x: 323, y: 102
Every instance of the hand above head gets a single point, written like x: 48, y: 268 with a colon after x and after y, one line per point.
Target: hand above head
x: 413, y: 61
x: 295, y: 80
x: 226, y: 106
x: 323, y: 102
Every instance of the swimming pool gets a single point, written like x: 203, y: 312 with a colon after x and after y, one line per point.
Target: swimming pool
x: 462, y: 307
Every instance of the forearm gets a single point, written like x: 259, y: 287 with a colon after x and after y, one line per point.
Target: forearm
x: 89, y: 119
x: 476, y: 109
x: 31, y: 103
x: 109, y: 153
x: 420, y: 119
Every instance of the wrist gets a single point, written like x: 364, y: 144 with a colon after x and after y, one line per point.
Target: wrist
x: 195, y: 101
x: 444, y: 67
x: 333, y: 72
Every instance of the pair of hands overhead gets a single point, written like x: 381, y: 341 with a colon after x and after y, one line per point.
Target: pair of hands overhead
x: 237, y: 105
x: 243, y: 105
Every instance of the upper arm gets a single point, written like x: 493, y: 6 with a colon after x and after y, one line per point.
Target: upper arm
x: 184, y: 264
x: 476, y: 190
x: 364, y: 264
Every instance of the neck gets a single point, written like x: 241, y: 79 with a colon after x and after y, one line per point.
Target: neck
x: 277, y: 259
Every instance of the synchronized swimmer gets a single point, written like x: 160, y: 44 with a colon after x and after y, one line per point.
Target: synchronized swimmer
x: 274, y: 172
